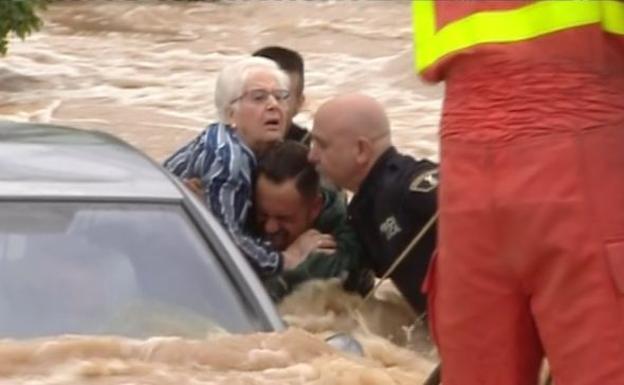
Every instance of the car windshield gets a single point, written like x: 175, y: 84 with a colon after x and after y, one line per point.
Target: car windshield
x: 132, y: 269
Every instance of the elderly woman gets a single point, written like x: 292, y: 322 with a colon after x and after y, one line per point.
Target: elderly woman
x: 250, y: 98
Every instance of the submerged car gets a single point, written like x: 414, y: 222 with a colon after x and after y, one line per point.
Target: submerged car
x: 96, y: 238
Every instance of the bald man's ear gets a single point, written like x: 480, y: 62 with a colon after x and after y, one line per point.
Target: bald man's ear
x: 364, y: 150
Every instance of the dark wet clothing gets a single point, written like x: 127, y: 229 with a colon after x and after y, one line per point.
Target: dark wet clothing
x: 397, y: 198
x: 298, y: 134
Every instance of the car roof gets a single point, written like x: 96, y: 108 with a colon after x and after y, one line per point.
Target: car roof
x: 47, y: 161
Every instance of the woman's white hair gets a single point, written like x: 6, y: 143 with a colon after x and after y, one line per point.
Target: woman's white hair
x: 232, y: 78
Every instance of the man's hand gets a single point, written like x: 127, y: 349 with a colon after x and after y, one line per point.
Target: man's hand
x: 311, y: 240
x: 196, y: 187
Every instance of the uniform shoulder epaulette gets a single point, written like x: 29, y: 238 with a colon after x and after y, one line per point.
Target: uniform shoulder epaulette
x: 425, y: 182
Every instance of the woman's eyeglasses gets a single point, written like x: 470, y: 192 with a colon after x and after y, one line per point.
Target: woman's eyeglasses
x: 260, y: 96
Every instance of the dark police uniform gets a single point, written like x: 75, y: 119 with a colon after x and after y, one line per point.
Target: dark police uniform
x: 397, y: 198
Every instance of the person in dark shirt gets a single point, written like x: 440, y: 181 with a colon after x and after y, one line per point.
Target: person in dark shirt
x: 290, y: 62
x: 291, y: 202
x: 395, y: 195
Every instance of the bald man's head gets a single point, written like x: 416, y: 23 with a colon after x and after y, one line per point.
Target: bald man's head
x: 350, y: 132
x: 358, y: 114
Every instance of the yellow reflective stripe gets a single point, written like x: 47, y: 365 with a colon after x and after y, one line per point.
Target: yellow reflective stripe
x: 423, y: 27
x: 613, y: 16
x: 523, y: 23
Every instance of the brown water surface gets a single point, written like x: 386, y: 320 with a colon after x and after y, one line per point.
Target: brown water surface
x: 145, y: 70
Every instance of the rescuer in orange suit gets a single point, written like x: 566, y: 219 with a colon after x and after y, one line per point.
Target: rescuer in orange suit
x: 531, y: 228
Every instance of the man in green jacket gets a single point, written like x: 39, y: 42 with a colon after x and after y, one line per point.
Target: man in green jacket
x: 291, y: 204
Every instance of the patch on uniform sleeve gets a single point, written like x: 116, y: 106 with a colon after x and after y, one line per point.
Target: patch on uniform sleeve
x: 390, y: 227
x: 425, y: 182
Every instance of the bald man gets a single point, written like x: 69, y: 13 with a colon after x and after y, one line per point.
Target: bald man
x: 394, y: 194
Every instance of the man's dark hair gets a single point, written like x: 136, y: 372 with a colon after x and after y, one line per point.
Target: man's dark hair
x: 289, y: 160
x: 288, y: 60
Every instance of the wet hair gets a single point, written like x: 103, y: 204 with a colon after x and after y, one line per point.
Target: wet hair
x: 231, y: 81
x: 286, y: 58
x: 289, y: 160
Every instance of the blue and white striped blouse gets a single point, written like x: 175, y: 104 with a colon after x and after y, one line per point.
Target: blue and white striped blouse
x: 225, y: 166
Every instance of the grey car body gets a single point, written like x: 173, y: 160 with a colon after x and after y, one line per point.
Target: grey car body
x: 96, y: 238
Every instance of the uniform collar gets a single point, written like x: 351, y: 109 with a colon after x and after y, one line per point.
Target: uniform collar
x: 369, y: 185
